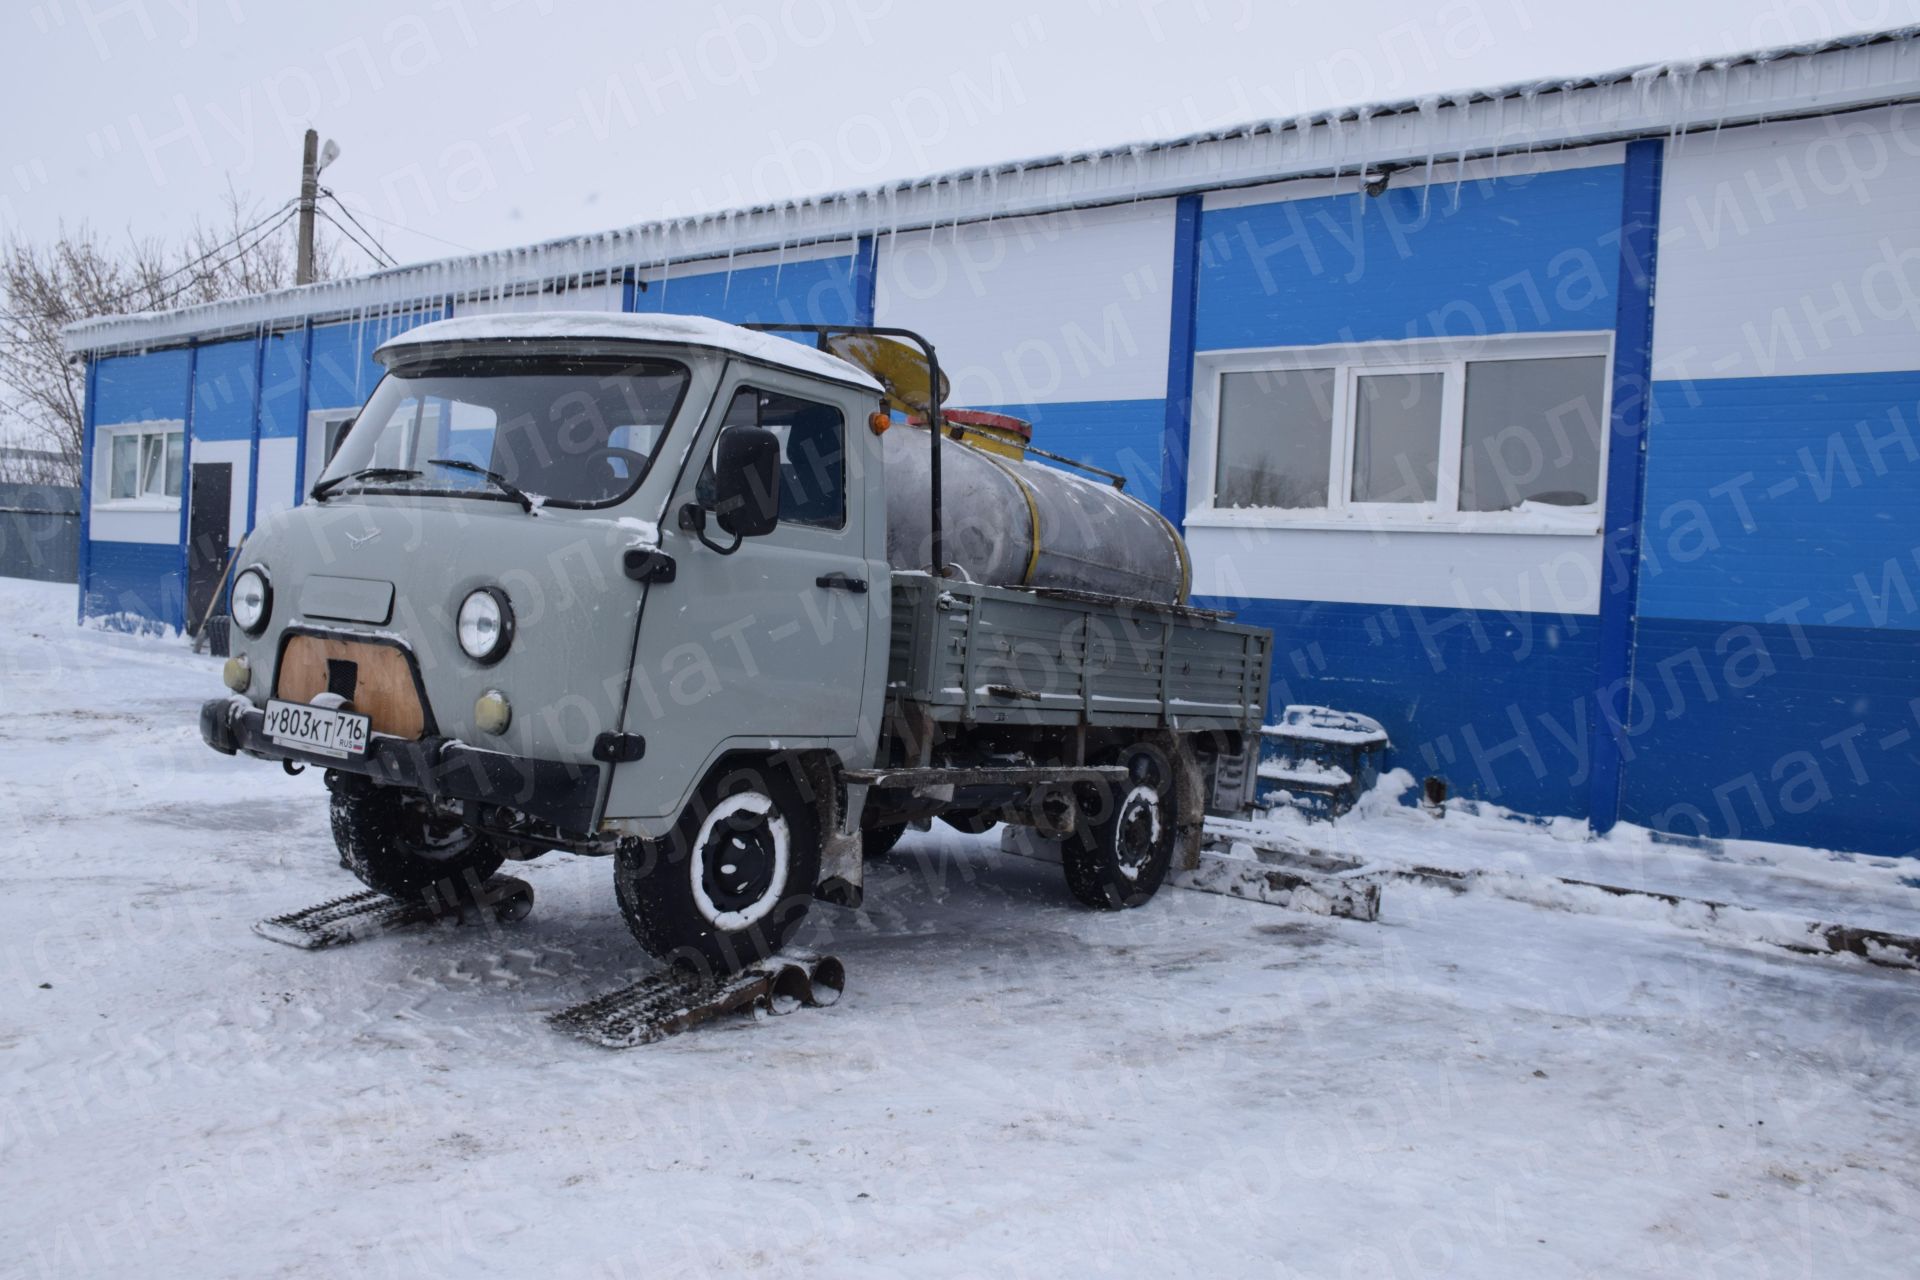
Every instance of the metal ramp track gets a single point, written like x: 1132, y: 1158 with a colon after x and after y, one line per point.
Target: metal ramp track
x: 665, y: 1004
x: 339, y: 921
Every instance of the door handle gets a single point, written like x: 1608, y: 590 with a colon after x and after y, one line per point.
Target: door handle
x: 841, y: 582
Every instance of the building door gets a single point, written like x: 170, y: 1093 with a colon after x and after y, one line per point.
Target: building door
x: 208, y: 503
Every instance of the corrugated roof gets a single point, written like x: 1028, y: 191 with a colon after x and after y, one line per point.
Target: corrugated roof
x: 1843, y: 74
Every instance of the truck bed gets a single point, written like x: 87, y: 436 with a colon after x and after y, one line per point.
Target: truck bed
x: 1003, y: 655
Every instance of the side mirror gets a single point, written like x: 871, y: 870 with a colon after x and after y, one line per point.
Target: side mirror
x: 746, y: 481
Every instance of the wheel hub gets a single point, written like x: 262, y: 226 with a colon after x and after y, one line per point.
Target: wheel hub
x: 1137, y: 833
x: 428, y: 832
x: 739, y: 862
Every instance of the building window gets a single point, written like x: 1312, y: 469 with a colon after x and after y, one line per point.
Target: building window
x: 332, y: 432
x: 1531, y: 432
x: 1276, y: 438
x: 1508, y: 435
x: 145, y: 463
x: 1396, y: 437
x: 326, y: 432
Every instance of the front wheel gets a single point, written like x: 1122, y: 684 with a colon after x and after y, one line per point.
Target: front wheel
x: 731, y: 880
x: 1124, y: 844
x: 399, y: 844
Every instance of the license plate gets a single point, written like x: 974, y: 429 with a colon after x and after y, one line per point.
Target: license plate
x: 317, y: 729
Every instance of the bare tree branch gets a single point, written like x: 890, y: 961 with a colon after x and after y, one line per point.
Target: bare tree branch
x: 44, y: 287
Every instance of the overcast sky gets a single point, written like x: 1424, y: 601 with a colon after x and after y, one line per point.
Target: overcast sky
x: 474, y: 124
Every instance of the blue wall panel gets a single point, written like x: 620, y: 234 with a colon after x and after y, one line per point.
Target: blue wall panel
x: 1120, y: 435
x: 344, y: 370
x: 1626, y: 456
x: 1501, y: 712
x: 1765, y: 497
x: 1821, y: 724
x: 223, y: 377
x: 1415, y: 262
x: 280, y: 408
x: 824, y: 291
x: 136, y: 583
x: 142, y: 387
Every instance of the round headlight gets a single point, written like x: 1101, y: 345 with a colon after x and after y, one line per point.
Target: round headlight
x: 252, y: 601
x: 486, y: 625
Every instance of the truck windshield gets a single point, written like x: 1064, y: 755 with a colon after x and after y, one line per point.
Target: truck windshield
x: 573, y: 431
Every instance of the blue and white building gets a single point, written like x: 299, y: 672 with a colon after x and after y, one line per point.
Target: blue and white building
x: 1568, y: 429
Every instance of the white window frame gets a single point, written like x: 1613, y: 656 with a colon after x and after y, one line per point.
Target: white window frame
x: 103, y: 445
x: 1352, y: 361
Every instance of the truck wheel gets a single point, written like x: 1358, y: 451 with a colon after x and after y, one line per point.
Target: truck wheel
x: 1124, y: 845
x: 397, y: 843
x: 731, y: 880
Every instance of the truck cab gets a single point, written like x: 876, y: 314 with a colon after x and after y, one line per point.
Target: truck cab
x: 614, y: 584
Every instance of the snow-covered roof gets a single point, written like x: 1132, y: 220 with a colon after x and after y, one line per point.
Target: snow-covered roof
x: 689, y: 331
x: 1669, y: 98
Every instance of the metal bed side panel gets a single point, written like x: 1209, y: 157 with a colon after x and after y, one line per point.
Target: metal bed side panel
x: 999, y: 655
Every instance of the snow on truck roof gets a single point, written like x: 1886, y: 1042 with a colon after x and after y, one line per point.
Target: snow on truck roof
x: 1662, y: 99
x: 687, y: 331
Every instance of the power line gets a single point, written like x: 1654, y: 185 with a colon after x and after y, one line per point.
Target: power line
x: 380, y: 259
x: 188, y: 266
x: 243, y: 252
x: 414, y: 231
x: 149, y: 289
x: 341, y: 205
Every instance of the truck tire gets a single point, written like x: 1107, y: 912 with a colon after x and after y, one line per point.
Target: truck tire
x: 1119, y: 855
x: 731, y: 880
x: 398, y: 844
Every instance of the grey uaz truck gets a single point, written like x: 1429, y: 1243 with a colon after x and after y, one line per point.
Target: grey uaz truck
x: 733, y: 608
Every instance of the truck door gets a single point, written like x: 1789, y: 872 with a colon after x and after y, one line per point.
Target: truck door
x: 768, y: 645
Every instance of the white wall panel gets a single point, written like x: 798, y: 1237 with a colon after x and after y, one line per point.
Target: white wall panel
x: 277, y: 457
x: 1505, y: 572
x: 1791, y: 248
x: 1043, y: 310
x: 132, y: 524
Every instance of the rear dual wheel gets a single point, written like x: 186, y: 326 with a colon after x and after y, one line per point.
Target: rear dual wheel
x: 732, y: 879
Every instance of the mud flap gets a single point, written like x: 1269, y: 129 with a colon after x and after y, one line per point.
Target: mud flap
x: 842, y: 857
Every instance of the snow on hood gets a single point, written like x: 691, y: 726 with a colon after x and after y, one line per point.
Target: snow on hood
x: 692, y: 331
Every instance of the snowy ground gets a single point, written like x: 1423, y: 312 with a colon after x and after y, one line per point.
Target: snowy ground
x: 1012, y: 1086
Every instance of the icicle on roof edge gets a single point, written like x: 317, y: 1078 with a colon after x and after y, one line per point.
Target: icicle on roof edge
x: 1881, y: 67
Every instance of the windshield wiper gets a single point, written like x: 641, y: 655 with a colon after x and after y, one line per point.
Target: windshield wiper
x: 494, y: 478
x: 321, y: 490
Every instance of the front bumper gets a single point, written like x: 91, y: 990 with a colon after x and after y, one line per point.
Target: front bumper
x: 555, y: 792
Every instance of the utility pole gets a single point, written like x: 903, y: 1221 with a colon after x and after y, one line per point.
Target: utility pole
x: 309, y: 193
